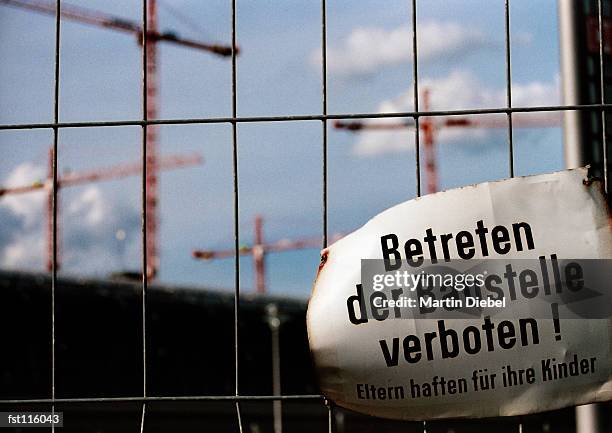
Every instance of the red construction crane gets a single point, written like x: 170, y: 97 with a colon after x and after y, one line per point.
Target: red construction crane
x: 87, y: 16
x: 429, y: 125
x: 100, y: 19
x: 101, y: 174
x: 80, y: 178
x: 260, y: 249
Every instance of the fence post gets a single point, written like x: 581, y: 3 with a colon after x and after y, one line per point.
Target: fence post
x: 578, y: 150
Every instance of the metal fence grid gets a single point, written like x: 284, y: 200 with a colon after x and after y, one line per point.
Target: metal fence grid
x: 234, y: 120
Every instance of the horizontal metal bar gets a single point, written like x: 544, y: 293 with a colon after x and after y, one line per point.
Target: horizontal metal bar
x: 141, y: 399
x: 295, y: 118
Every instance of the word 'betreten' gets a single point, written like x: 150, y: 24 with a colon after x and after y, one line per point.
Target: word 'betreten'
x: 464, y: 244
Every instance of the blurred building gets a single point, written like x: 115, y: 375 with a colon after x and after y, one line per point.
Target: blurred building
x: 190, y: 351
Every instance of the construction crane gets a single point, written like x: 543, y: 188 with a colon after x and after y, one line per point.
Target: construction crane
x: 102, y: 174
x: 429, y: 126
x: 95, y: 18
x: 260, y: 249
x: 80, y: 178
x: 100, y: 19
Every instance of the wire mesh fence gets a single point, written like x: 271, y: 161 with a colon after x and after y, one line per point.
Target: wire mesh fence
x: 238, y: 398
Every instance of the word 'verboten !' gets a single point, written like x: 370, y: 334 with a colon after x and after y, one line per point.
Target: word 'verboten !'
x: 449, y: 343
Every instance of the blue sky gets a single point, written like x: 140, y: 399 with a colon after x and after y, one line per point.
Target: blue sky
x: 461, y: 49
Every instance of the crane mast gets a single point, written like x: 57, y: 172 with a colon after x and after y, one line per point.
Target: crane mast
x: 151, y: 208
x: 430, y: 124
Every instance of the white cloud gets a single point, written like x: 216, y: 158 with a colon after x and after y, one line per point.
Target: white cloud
x: 26, y: 252
x: 458, y: 90
x: 89, y: 207
x: 27, y: 206
x: 88, y: 224
x: 367, y: 49
x: 522, y: 37
x: 90, y: 243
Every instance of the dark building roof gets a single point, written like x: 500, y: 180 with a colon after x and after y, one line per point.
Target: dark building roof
x: 98, y: 332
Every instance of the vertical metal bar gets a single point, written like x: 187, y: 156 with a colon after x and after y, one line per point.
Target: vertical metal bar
x: 239, y: 417
x: 277, y: 405
x: 330, y: 416
x: 145, y: 41
x: 54, y: 188
x: 324, y: 109
x: 415, y: 83
x: 509, y: 105
x: 574, y: 150
x: 236, y: 203
x: 509, y: 89
x: 330, y: 421
x: 587, y: 419
x: 142, y: 417
x: 603, y: 94
x: 587, y: 416
x: 236, y: 216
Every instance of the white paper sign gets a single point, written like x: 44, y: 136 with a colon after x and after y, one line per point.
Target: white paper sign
x: 473, y: 366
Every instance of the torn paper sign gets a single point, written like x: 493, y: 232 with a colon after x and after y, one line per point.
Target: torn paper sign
x: 474, y: 302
